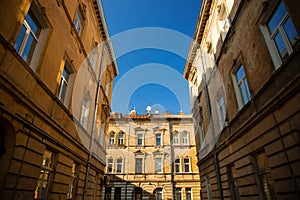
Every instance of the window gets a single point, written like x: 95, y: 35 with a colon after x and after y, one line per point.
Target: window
x: 202, y: 137
x: 32, y: 36
x: 158, y: 139
x: 119, y: 165
x: 234, y: 191
x: 184, y: 137
x: 208, y: 189
x: 44, y: 180
x: 28, y: 37
x: 242, y: 90
x: 110, y: 163
x: 263, y: 174
x: 85, y: 110
x: 188, y: 193
x: 73, y: 184
x: 112, y: 139
x: 186, y: 164
x: 65, y: 83
x: 118, y: 193
x: 221, y: 111
x: 121, y: 139
x: 176, y: 139
x: 139, y: 139
x: 79, y: 19
x: 158, y: 194
x: 158, y: 165
x: 138, y: 193
x: 177, y: 193
x: 138, y: 165
x: 280, y: 35
x: 177, y: 165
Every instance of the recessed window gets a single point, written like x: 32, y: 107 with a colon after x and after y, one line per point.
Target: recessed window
x: 186, y: 164
x: 184, y: 137
x: 158, y: 194
x: 119, y: 165
x: 178, y: 194
x: 176, y: 139
x: 158, y: 139
x: 65, y: 83
x: 234, y: 191
x: 177, y: 165
x: 158, y: 165
x: 79, y: 20
x: 241, y: 87
x: 280, y: 34
x: 45, y: 178
x: 221, y: 111
x: 110, y: 163
x: 112, y: 139
x: 121, y: 139
x: 139, y: 139
x: 74, y: 180
x: 188, y: 193
x: 138, y: 165
x: 32, y: 35
x: 85, y: 110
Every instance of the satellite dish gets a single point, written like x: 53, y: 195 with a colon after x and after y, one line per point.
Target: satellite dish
x: 148, y: 108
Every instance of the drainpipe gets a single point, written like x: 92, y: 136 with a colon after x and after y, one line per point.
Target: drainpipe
x: 171, y: 157
x: 88, y: 164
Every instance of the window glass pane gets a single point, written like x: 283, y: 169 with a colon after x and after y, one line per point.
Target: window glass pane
x: 188, y: 193
x: 20, y: 38
x: 280, y: 45
x: 158, y: 139
x: 276, y: 18
x: 290, y: 31
x: 29, y: 47
x: 240, y: 73
x: 244, y: 97
x: 32, y: 24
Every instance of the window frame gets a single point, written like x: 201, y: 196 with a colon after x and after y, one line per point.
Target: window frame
x: 45, y: 169
x: 140, y: 139
x: 176, y: 138
x: 158, y: 165
x: 237, y: 89
x: 112, y: 139
x: 221, y: 112
x: 178, y: 193
x: 110, y: 165
x: 158, y: 139
x: 177, y: 165
x: 188, y: 191
x: 185, y: 164
x: 184, y: 140
x: 64, y: 96
x: 158, y: 191
x: 74, y: 181
x: 21, y: 40
x: 121, y: 139
x: 85, y: 110
x: 271, y: 45
x: 79, y: 19
x: 119, y: 168
x: 138, y: 166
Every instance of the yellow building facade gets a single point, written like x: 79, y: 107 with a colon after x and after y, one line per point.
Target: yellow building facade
x: 56, y: 74
x: 151, y: 156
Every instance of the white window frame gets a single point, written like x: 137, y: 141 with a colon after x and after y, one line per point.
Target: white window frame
x: 176, y: 164
x: 119, y: 165
x: 160, y: 191
x: 185, y: 140
x: 188, y: 191
x: 176, y: 139
x: 64, y: 96
x: 121, y: 140
x: 112, y: 139
x: 85, y: 110
x: 140, y: 139
x: 160, y: 139
x: 74, y: 181
x: 159, y: 163
x: 40, y: 39
x: 275, y: 55
x: 187, y: 164
x: 178, y: 193
x: 221, y: 112
x: 45, y: 177
x: 236, y: 84
x: 141, y: 165
x: 110, y: 164
x: 78, y: 21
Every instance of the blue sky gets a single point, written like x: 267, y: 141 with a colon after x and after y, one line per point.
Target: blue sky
x: 151, y: 41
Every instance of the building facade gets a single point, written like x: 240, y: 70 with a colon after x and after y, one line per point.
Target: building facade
x: 151, y: 156
x: 56, y: 74
x: 243, y: 72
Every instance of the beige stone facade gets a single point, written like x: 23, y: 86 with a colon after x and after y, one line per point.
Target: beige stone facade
x: 151, y: 156
x: 243, y: 71
x: 53, y: 57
